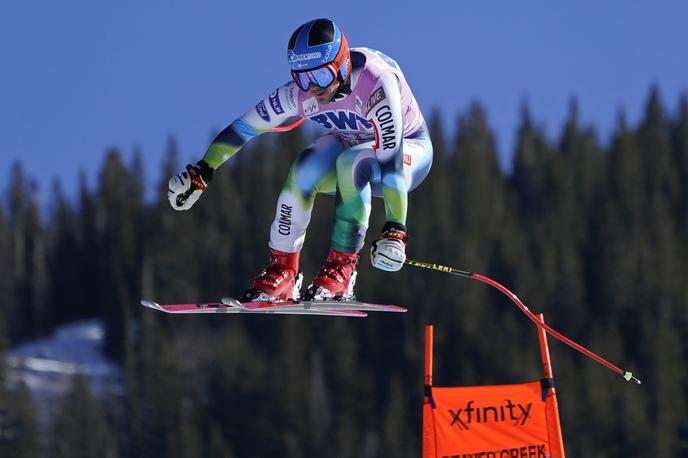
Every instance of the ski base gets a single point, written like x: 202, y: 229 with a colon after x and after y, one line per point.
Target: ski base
x: 319, y: 308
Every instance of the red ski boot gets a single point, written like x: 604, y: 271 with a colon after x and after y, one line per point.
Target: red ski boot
x: 280, y: 281
x: 336, y: 278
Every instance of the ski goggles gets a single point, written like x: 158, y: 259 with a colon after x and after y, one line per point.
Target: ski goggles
x: 322, y: 77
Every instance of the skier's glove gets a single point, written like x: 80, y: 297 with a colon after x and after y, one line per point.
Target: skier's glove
x: 389, y: 251
x: 186, y: 187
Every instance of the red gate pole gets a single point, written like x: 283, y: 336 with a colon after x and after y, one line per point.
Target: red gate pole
x: 428, y: 355
x: 556, y: 441
x: 429, y: 439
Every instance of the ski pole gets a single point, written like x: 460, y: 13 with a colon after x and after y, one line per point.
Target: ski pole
x: 628, y: 376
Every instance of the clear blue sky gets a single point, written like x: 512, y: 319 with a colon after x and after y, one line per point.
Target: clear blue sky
x: 79, y: 77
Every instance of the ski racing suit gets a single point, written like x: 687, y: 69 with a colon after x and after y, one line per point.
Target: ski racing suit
x: 378, y: 145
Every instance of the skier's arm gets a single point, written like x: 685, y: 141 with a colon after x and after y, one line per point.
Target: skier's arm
x: 386, y: 115
x: 186, y: 187
x: 270, y: 112
x: 384, y: 110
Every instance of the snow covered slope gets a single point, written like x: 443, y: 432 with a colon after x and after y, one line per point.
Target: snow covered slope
x: 48, y: 365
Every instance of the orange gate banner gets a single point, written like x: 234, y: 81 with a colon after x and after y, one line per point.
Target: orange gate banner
x: 498, y: 421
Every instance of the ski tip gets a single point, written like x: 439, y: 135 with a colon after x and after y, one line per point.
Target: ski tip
x: 396, y: 308
x: 151, y: 304
x: 629, y: 376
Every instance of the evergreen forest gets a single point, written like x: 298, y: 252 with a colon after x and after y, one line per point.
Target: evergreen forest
x: 591, y: 232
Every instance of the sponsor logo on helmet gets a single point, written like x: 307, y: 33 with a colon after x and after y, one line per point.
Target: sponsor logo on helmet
x: 310, y: 106
x: 262, y: 111
x: 293, y: 57
x: 275, y: 103
x: 375, y: 98
x: 327, y: 54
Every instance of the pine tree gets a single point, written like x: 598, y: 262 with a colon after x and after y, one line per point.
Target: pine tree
x: 80, y: 427
x: 64, y: 260
x: 622, y: 221
x: 171, y: 245
x: 396, y: 439
x: 216, y: 446
x: 6, y: 275
x: 430, y: 224
x: 662, y: 188
x: 319, y: 406
x: 290, y: 378
x: 20, y: 436
x: 92, y: 277
x: 479, y: 217
x: 238, y: 391
x: 219, y: 225
x: 669, y: 392
x: 680, y: 149
x: 162, y: 419
x: 576, y: 188
x: 532, y: 186
x: 30, y: 316
x: 116, y: 217
x: 341, y: 351
x: 532, y: 162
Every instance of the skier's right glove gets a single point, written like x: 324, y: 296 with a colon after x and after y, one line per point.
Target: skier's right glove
x: 389, y: 251
x: 186, y: 187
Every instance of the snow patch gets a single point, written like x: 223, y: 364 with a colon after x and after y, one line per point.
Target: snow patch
x: 47, y: 366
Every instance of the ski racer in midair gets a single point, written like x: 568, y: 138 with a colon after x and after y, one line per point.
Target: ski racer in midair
x: 378, y: 145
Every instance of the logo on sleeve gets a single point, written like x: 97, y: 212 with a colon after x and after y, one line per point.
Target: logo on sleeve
x: 358, y: 105
x: 386, y: 134
x: 262, y: 111
x: 375, y: 98
x: 275, y: 103
x: 310, y: 106
x: 291, y: 96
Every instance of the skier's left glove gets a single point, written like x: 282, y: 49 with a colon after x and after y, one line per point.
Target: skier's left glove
x: 186, y: 187
x: 389, y: 251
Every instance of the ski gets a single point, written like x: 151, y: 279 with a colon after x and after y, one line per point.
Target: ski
x: 219, y: 307
x: 314, y: 305
x: 320, y: 308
